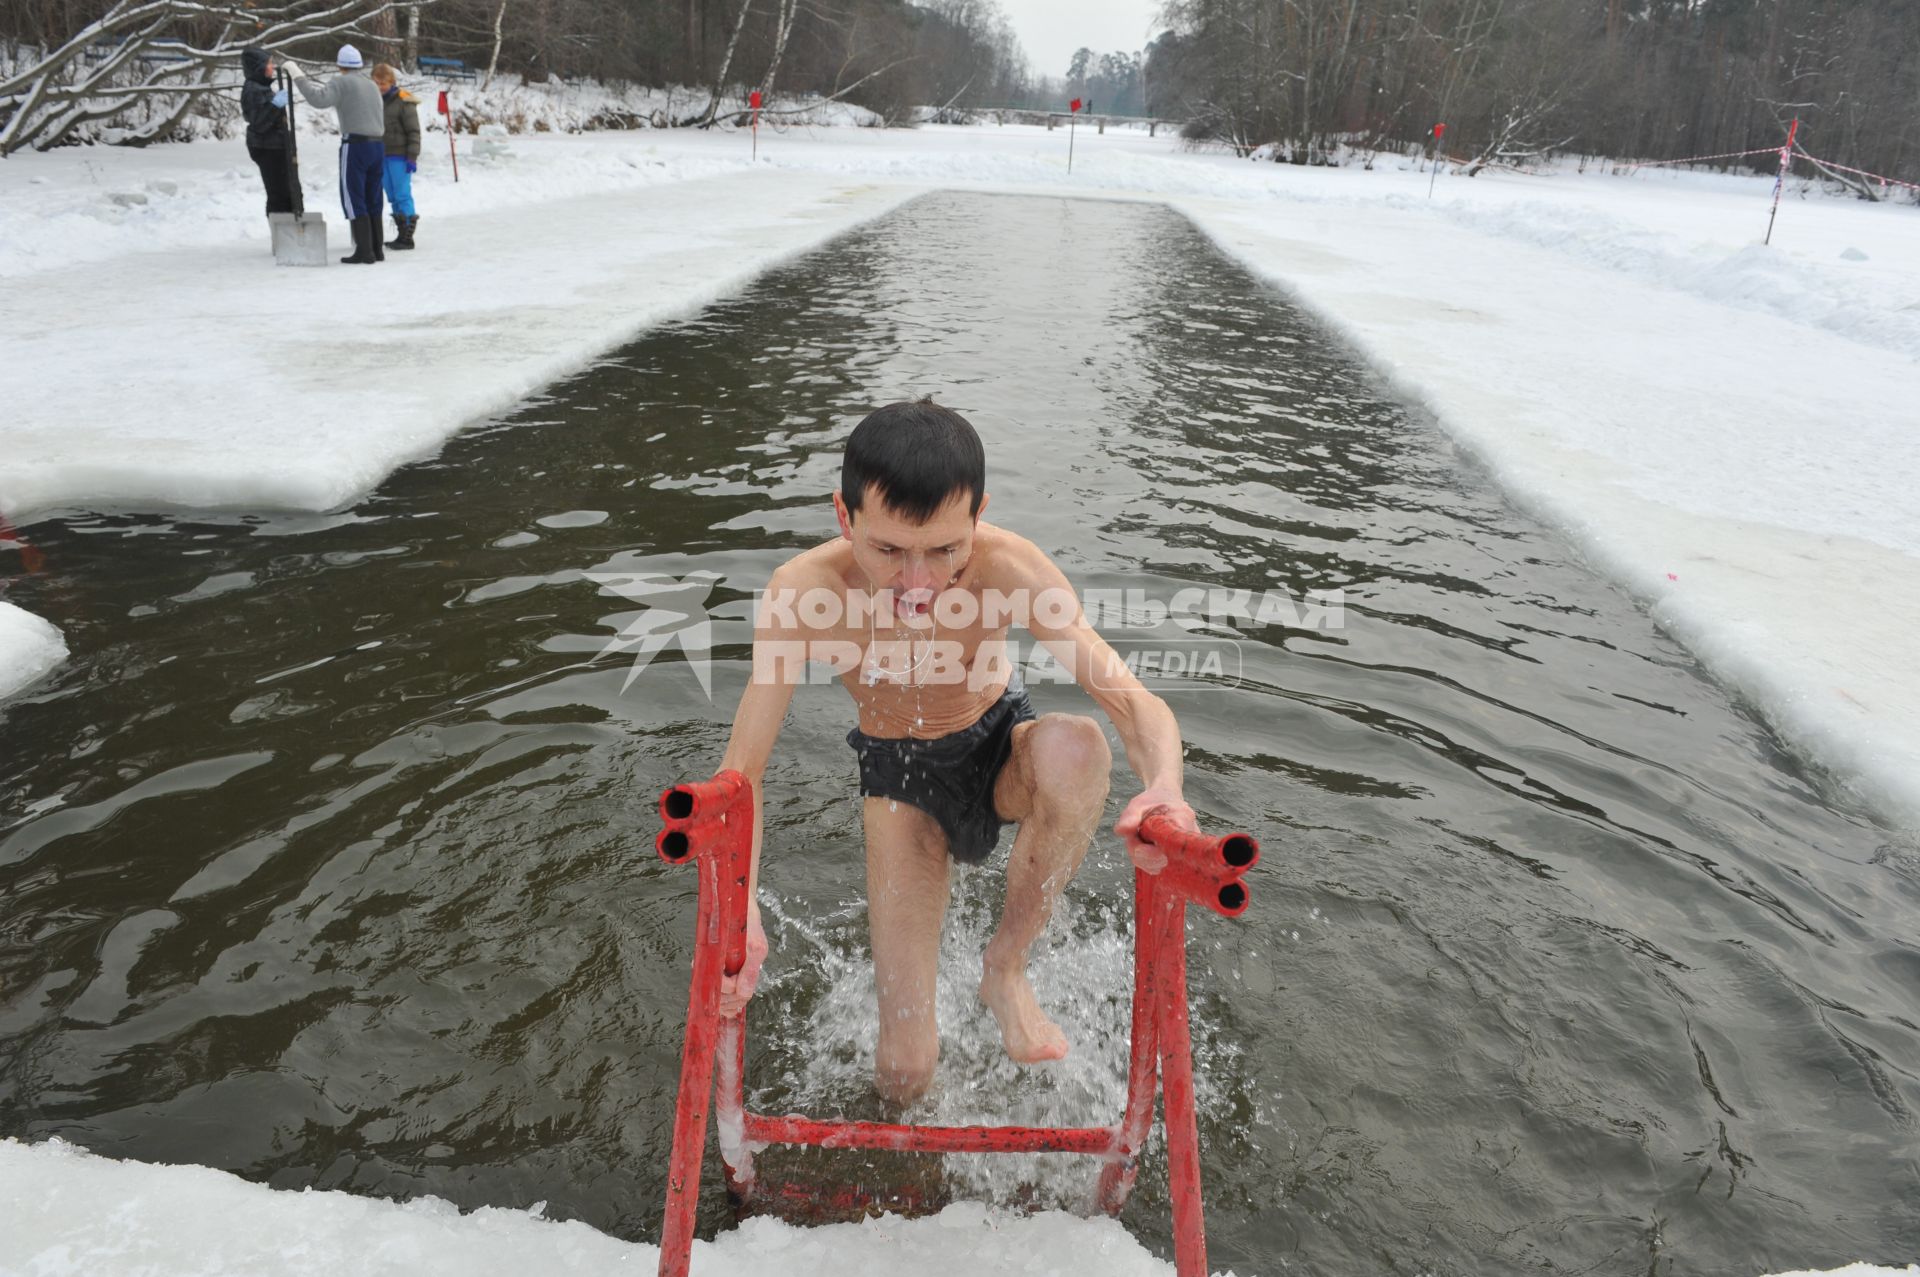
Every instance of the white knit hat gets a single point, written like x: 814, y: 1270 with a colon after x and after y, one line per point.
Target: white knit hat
x: 349, y: 57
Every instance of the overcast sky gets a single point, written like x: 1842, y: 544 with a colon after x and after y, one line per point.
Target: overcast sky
x: 1050, y: 30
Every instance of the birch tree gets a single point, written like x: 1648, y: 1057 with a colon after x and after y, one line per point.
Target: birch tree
x: 172, y: 51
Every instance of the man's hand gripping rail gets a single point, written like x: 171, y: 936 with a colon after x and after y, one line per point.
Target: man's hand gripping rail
x: 1204, y: 870
x: 712, y: 822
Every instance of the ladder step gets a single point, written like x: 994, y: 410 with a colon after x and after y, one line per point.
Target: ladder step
x: 1095, y: 1140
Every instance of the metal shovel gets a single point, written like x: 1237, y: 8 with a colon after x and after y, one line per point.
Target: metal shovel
x: 299, y: 237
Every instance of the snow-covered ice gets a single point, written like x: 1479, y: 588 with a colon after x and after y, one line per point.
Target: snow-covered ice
x: 1856, y: 1270
x: 204, y: 376
x: 70, y: 1212
x: 29, y: 647
x: 1751, y: 477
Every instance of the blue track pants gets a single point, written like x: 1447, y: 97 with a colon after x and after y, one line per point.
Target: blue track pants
x: 398, y: 184
x: 360, y: 178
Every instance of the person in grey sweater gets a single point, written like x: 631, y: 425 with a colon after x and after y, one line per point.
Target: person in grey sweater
x: 363, y: 127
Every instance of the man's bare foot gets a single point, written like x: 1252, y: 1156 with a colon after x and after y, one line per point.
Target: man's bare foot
x: 904, y: 1063
x: 902, y: 1087
x: 1029, y: 1035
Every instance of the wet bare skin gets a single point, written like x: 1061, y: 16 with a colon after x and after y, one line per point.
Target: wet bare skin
x: 1057, y: 819
x: 903, y: 702
x: 908, y: 875
x: 892, y: 702
x: 899, y: 692
x: 924, y: 655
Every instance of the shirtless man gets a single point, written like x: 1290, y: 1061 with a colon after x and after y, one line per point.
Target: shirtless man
x: 910, y: 605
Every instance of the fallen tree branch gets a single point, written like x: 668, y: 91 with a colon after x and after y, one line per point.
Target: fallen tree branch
x: 1863, y: 189
x: 835, y: 97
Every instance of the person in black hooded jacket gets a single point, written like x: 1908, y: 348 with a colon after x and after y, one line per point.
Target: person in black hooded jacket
x: 264, y: 107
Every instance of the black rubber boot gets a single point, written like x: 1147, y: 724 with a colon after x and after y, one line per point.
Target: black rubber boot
x: 363, y: 237
x: 413, y: 220
x: 399, y: 239
x: 378, y: 249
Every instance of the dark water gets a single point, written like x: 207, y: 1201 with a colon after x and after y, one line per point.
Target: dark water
x: 327, y: 859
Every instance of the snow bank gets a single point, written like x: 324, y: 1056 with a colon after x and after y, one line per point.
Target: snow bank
x: 147, y: 383
x: 29, y: 648
x: 1707, y: 243
x: 69, y: 1212
x: 72, y: 1214
x: 580, y: 106
x: 1766, y: 518
x: 90, y: 204
x: 233, y: 383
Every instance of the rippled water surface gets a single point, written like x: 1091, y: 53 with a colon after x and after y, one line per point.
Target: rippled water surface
x: 327, y: 860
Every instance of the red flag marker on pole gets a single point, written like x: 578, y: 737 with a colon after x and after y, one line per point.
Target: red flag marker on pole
x: 1439, y: 133
x: 753, y: 100
x: 1786, y: 158
x: 1073, y: 116
x: 455, y: 155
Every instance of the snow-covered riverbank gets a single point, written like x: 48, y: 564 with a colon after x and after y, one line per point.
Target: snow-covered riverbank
x: 69, y: 1212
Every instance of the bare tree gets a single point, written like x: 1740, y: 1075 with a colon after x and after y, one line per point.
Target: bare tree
x: 410, y: 51
x: 788, y: 10
x: 1653, y: 79
x: 706, y: 117
x: 141, y: 50
x: 493, y: 59
x: 1648, y: 79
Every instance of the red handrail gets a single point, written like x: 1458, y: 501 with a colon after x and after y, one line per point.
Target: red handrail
x: 710, y: 824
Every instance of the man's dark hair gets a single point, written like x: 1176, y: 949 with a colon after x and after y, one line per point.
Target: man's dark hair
x: 917, y: 456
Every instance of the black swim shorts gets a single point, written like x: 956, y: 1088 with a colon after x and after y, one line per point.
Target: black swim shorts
x: 950, y: 778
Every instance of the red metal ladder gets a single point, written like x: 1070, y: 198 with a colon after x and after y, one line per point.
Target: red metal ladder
x: 710, y: 824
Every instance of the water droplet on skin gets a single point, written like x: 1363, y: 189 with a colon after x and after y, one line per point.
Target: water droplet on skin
x: 892, y: 805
